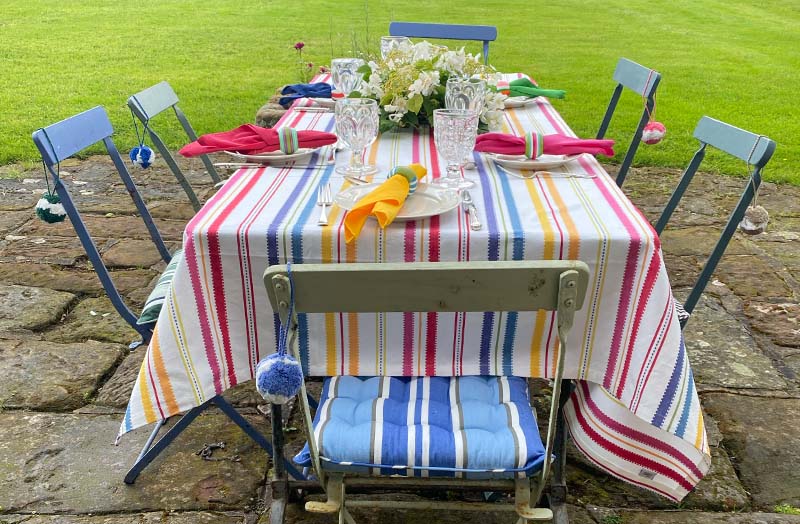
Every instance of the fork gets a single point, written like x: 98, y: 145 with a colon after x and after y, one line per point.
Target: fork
x: 324, y: 199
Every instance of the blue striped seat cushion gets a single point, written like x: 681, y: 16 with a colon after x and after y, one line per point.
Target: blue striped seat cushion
x: 152, y: 306
x: 478, y: 427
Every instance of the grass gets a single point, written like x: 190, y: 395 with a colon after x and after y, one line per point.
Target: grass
x: 787, y: 509
x: 732, y: 60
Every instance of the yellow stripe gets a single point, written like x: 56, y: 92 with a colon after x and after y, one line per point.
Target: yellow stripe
x: 330, y: 318
x: 548, y: 249
x: 536, y: 343
x: 163, y: 377
x: 144, y: 392
x: 186, y: 356
x: 573, y: 236
x: 701, y: 429
x: 352, y: 319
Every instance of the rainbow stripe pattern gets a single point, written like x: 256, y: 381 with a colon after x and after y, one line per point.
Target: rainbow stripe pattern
x: 635, y: 412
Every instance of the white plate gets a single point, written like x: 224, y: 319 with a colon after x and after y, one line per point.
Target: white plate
x: 427, y: 201
x: 273, y: 157
x: 537, y: 164
x: 517, y: 101
x: 328, y: 103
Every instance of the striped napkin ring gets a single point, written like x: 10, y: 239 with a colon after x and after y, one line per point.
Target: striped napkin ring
x: 287, y: 138
x: 409, y: 173
x: 534, y: 145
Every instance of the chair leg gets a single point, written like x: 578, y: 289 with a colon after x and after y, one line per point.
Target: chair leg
x: 558, y: 486
x: 279, y: 483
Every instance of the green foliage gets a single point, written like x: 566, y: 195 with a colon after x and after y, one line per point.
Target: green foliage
x: 787, y: 509
x: 734, y: 60
x: 611, y: 519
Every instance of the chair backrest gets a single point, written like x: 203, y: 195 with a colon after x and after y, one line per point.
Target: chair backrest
x: 643, y: 82
x: 61, y: 140
x: 754, y: 149
x: 483, y: 33
x: 149, y: 103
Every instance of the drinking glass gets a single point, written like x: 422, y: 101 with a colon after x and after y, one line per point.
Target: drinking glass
x: 454, y: 133
x: 345, y: 75
x: 390, y: 43
x: 357, y: 128
x: 465, y: 93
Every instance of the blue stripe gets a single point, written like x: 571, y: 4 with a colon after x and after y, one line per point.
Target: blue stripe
x: 681, y: 429
x: 669, y: 394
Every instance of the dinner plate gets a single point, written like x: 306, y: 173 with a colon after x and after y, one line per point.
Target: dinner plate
x: 427, y: 201
x: 273, y: 157
x: 517, y: 101
x: 537, y: 164
x: 328, y: 103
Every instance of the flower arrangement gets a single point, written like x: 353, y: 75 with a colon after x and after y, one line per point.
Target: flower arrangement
x: 410, y: 83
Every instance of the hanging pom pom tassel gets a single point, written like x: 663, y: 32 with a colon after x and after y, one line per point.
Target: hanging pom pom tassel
x: 278, y: 378
x: 50, y: 209
x: 142, y: 156
x: 755, y: 220
x: 653, y: 132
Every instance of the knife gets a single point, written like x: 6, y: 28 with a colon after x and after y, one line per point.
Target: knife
x: 469, y: 207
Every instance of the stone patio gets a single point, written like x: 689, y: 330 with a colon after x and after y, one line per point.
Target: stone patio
x: 67, y: 373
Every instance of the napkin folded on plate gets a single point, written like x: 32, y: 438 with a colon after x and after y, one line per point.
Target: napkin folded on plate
x: 294, y: 91
x: 249, y: 139
x: 533, y: 145
x: 526, y: 87
x: 385, y: 201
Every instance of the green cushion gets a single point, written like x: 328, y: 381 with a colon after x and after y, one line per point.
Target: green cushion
x: 152, y: 307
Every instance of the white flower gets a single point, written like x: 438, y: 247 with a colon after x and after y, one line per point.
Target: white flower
x: 494, y: 101
x: 452, y: 61
x: 423, y: 51
x: 397, y: 117
x: 425, y: 83
x: 493, y: 119
x: 398, y: 104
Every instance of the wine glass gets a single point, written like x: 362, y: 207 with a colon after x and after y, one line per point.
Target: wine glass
x: 454, y: 133
x: 345, y: 75
x: 465, y: 93
x: 357, y: 128
x: 390, y: 43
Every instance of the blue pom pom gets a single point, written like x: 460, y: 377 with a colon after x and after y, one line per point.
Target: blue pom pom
x: 278, y: 378
x: 142, y: 156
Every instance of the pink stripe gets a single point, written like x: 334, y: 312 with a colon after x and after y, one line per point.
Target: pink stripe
x: 666, y: 318
x: 153, y: 384
x: 644, y: 297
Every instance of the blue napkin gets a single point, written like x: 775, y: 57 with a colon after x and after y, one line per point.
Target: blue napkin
x: 295, y: 91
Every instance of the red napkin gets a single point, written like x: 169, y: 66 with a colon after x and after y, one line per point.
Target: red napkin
x: 538, y: 144
x: 249, y: 139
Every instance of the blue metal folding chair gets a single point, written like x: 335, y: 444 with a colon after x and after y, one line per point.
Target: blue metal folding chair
x: 62, y: 140
x: 754, y: 149
x: 483, y: 33
x: 642, y: 81
x: 145, y: 105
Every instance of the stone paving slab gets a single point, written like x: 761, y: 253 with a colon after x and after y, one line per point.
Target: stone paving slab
x: 53, y: 377
x: 84, y: 282
x: 67, y: 463
x: 188, y: 517
x: 723, y: 353
x: 609, y: 516
x: 762, y: 436
x: 23, y: 307
x: 105, y: 324
x: 11, y: 220
x: 101, y: 226
x: 751, y: 276
x: 134, y: 253
x: 43, y: 250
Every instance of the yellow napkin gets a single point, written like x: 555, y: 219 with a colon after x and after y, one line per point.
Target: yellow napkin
x: 384, y: 202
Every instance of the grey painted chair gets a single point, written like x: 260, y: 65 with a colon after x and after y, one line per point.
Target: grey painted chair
x: 151, y: 102
x: 60, y: 141
x: 483, y: 33
x: 754, y: 149
x: 423, y: 287
x: 642, y: 81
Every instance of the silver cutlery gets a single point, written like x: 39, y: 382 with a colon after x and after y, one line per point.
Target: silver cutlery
x: 528, y: 175
x: 313, y: 109
x: 324, y: 199
x: 357, y: 180
x: 468, y: 205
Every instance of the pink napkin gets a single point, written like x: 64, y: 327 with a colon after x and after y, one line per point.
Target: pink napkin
x: 533, y: 145
x: 252, y: 140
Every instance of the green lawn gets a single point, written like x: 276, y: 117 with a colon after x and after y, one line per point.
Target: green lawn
x: 735, y: 60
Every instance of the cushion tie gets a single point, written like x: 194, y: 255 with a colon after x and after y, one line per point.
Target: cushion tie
x: 287, y: 137
x: 534, y: 145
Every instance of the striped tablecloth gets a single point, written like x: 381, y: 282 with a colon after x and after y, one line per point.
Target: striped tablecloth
x: 635, y: 412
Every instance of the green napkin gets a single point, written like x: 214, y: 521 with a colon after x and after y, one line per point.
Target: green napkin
x: 524, y: 87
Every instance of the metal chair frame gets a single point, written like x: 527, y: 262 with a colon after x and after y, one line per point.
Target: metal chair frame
x: 754, y: 149
x: 482, y: 33
x: 62, y: 140
x: 153, y: 101
x: 445, y: 287
x: 642, y: 81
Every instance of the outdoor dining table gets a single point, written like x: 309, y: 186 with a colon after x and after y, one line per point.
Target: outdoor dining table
x: 635, y: 411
